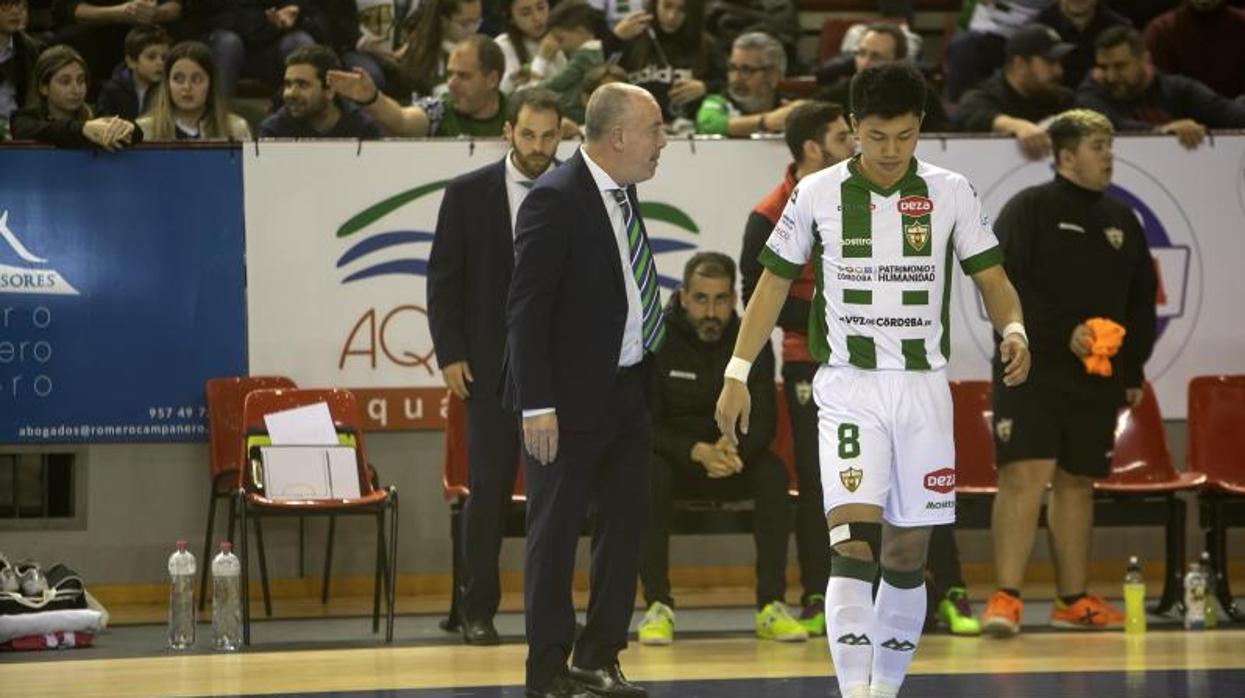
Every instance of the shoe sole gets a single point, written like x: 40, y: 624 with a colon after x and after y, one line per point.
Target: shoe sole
x: 792, y: 638
x: 1073, y: 625
x: 1000, y: 627
x: 661, y: 642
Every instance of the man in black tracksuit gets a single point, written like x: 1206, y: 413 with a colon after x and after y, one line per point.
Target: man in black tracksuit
x: 1074, y: 253
x: 692, y: 460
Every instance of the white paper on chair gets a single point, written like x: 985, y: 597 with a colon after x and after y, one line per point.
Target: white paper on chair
x: 310, y: 472
x: 311, y: 425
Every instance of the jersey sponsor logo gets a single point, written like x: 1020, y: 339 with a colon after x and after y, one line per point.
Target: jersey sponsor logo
x: 907, y: 273
x: 941, y: 481
x: 858, y: 242
x: 685, y: 375
x: 857, y: 207
x: 915, y: 206
x: 1115, y: 236
x: 1003, y: 428
x: 862, y: 321
x: 917, y: 234
x: 856, y: 274
x: 851, y: 478
x: 896, y: 645
x: 803, y: 392
x: 945, y: 504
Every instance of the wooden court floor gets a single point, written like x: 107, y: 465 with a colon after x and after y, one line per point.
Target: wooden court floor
x: 1077, y: 665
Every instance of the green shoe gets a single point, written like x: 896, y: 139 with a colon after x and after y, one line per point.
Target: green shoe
x: 813, y: 616
x: 957, y: 614
x: 657, y: 628
x: 774, y: 622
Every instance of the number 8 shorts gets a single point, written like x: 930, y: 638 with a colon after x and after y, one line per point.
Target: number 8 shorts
x: 886, y: 439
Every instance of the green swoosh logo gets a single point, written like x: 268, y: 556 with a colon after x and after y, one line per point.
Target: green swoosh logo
x: 653, y: 211
x: 377, y: 211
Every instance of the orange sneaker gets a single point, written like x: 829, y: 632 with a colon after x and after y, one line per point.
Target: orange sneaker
x: 1002, y: 616
x: 1092, y: 612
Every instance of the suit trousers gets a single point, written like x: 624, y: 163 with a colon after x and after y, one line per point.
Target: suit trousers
x: 812, y: 539
x: 605, y: 471
x: 493, y: 462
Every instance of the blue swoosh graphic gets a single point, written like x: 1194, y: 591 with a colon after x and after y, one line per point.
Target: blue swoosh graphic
x: 409, y: 267
x: 382, y: 241
x: 660, y: 245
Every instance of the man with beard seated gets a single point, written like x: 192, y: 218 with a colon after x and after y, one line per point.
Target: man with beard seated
x: 757, y: 63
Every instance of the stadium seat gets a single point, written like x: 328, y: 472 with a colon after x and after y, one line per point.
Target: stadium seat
x: 1216, y: 449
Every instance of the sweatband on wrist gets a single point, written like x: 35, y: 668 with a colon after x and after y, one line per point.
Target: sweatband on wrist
x: 1016, y: 328
x: 738, y: 369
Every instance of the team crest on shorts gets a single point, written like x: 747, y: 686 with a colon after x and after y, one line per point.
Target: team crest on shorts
x: 803, y: 392
x: 1003, y: 428
x: 1115, y: 236
x: 917, y: 234
x: 851, y: 478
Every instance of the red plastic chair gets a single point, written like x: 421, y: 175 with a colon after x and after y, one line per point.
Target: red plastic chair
x: 225, y: 400
x: 372, y: 500
x: 1143, y: 485
x: 1216, y: 449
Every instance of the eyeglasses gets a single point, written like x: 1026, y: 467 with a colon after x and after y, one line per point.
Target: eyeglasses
x: 747, y: 71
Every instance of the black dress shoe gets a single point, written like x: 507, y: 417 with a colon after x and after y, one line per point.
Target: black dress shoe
x: 562, y: 687
x: 480, y: 632
x: 608, y: 682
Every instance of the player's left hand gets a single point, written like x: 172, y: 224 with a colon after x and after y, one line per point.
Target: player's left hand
x: 1133, y: 396
x: 1014, y: 351
x: 734, y: 406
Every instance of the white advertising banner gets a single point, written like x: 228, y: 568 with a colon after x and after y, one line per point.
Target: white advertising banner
x: 338, y: 238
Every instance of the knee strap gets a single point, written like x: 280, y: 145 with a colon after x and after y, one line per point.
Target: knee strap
x: 868, y: 533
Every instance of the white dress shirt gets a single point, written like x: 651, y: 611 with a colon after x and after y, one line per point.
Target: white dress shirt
x: 517, y: 187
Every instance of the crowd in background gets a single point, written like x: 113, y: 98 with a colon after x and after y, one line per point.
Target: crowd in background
x: 112, y: 73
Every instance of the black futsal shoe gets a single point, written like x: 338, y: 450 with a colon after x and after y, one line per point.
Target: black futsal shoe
x: 608, y: 682
x: 562, y: 687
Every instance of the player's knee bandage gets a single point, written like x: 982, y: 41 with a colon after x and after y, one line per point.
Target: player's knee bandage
x: 867, y: 533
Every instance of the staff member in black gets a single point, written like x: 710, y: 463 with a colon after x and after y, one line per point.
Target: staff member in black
x: 468, y: 278
x: 584, y: 319
x: 1073, y: 253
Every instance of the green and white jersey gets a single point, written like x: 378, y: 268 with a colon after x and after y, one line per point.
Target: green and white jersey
x: 881, y: 262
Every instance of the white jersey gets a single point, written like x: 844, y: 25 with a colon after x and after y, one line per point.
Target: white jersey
x: 881, y: 262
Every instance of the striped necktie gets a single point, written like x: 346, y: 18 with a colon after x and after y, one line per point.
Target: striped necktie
x: 653, y: 326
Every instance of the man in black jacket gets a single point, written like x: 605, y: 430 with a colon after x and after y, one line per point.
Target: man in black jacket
x: 1136, y: 96
x: 312, y: 107
x: 1076, y: 256
x: 693, y: 460
x: 18, y: 52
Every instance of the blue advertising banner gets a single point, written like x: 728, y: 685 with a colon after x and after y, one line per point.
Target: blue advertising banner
x: 121, y: 292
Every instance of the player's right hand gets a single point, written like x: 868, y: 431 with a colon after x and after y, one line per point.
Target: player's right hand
x: 734, y: 406
x: 1082, y: 341
x: 457, y: 375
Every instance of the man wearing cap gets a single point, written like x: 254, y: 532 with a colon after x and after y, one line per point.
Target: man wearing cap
x: 1024, y: 93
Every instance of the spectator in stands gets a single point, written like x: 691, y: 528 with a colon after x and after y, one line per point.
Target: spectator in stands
x: 18, y: 53
x: 312, y: 106
x: 884, y: 43
x: 757, y: 63
x: 844, y: 65
x: 1076, y: 256
x: 573, y: 24
x: 676, y: 60
x: 778, y: 19
x: 128, y: 92
x: 1140, y: 12
x: 598, y: 76
x: 692, y: 459
x: 818, y: 136
x: 1204, y: 40
x: 255, y: 37
x: 439, y: 27
x: 97, y: 29
x: 531, y: 52
x: 1079, y: 22
x: 1136, y: 96
x: 379, y: 35
x: 468, y: 281
x: 188, y: 105
x: 59, y: 114
x: 973, y: 55
x: 473, y: 106
x: 1028, y: 90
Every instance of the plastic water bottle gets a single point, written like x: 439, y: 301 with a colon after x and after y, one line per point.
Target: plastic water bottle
x: 1212, y: 617
x: 226, y: 599
x: 1134, y: 598
x: 181, y: 598
x: 1194, y: 598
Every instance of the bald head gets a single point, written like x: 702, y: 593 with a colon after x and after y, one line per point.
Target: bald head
x: 609, y: 105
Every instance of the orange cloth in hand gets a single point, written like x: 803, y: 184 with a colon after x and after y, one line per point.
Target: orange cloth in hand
x: 1108, y: 336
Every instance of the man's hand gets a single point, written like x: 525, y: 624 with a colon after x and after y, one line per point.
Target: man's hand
x: 734, y: 406
x: 141, y: 11
x: 1133, y: 396
x: 1033, y: 140
x: 1014, y: 351
x: 633, y: 25
x: 1082, y: 342
x: 685, y: 91
x: 540, y: 437
x: 730, y: 454
x: 548, y: 47
x: 1189, y: 132
x: 712, y: 459
x: 457, y: 375
x: 355, y: 85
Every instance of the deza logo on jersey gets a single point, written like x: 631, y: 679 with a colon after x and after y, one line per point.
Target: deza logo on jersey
x: 941, y: 481
x: 915, y: 206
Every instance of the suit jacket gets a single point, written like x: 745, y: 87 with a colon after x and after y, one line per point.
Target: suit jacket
x: 568, y: 303
x: 469, y: 274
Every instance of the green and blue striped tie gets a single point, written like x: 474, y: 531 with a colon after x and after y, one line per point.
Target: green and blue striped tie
x: 653, y: 326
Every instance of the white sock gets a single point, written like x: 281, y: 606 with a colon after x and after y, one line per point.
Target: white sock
x: 849, y: 622
x: 899, y: 618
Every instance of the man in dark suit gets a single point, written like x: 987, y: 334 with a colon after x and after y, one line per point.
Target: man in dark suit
x: 584, y: 320
x: 468, y: 278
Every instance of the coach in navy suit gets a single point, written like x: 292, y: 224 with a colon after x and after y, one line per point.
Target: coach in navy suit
x: 584, y: 319
x: 468, y: 279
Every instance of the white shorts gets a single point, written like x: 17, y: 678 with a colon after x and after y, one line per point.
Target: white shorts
x: 886, y: 438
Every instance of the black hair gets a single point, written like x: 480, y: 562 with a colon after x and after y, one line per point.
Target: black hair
x: 894, y: 32
x: 488, y: 53
x: 144, y: 35
x: 888, y: 91
x: 1111, y: 37
x: 537, y: 98
x: 713, y: 265
x: 573, y: 14
x: 809, y: 122
x: 322, y: 58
